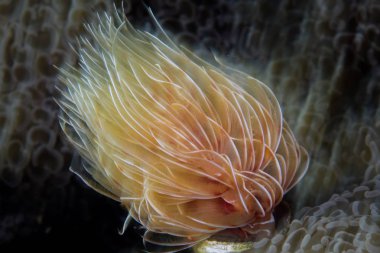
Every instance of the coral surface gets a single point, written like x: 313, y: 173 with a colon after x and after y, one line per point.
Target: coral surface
x: 321, y: 59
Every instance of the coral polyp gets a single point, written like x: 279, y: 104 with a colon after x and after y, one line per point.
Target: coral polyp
x: 189, y: 148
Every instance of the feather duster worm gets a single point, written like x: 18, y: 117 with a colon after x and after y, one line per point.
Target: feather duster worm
x: 188, y: 148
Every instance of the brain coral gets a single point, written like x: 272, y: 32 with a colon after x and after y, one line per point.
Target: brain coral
x: 34, y: 159
x: 34, y: 37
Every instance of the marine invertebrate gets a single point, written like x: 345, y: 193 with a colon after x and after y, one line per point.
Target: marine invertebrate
x: 188, y: 148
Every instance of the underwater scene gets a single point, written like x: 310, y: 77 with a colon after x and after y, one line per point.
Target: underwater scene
x: 209, y: 126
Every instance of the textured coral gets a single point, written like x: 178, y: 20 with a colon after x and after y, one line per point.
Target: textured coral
x: 321, y: 58
x: 349, y: 222
x: 35, y: 37
x: 34, y: 159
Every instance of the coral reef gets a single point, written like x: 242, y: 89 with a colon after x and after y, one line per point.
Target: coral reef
x: 347, y: 222
x: 34, y: 158
x: 35, y: 38
x: 321, y: 58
